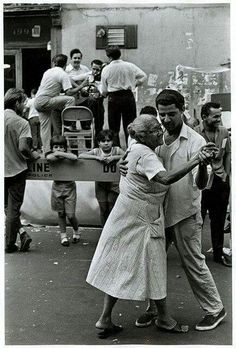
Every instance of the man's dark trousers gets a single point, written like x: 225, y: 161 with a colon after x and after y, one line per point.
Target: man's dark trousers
x: 120, y: 103
x: 97, y: 108
x: 14, y: 189
x: 215, y: 200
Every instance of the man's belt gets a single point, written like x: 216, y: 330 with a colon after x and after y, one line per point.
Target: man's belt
x: 121, y: 92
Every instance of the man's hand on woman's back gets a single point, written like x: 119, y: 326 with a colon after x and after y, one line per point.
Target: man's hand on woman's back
x: 122, y: 166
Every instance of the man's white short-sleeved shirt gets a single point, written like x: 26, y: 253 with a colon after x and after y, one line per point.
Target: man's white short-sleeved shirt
x: 15, y: 128
x: 120, y: 75
x: 54, y: 80
x: 184, y: 197
x: 77, y: 74
x: 32, y: 111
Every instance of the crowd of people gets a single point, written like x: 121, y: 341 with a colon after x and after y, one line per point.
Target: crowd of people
x: 171, y: 175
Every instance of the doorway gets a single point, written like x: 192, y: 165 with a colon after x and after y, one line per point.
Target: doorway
x: 24, y: 67
x: 35, y: 61
x: 12, y: 69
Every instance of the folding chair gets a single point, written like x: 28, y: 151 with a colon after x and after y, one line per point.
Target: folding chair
x: 78, y: 139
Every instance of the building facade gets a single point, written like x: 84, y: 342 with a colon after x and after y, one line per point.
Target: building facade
x: 32, y: 35
x: 183, y: 46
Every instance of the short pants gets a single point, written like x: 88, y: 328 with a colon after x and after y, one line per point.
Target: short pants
x: 63, y: 197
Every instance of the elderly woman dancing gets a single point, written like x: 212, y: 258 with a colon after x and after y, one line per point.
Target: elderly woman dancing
x: 130, y: 259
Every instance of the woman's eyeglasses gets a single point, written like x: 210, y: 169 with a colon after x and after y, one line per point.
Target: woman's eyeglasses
x: 158, y: 131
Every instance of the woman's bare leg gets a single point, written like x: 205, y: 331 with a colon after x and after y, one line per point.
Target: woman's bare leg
x: 164, y: 317
x: 104, y: 322
x: 151, y: 306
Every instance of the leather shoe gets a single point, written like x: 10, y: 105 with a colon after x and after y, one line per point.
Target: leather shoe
x: 223, y: 260
x: 25, y: 241
x: 11, y: 248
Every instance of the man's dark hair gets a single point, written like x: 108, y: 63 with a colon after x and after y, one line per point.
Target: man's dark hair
x: 12, y: 96
x: 97, y: 62
x: 97, y: 76
x: 60, y: 60
x: 170, y: 96
x: 34, y: 91
x: 75, y: 51
x: 205, y: 110
x: 58, y: 140
x: 105, y: 133
x: 113, y: 52
x: 149, y: 110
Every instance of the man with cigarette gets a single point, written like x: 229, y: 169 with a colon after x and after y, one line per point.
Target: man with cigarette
x: 215, y: 197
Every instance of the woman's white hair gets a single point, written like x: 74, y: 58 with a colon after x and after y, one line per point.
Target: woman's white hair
x: 142, y: 125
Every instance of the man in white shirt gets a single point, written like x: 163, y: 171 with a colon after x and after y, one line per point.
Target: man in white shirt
x: 16, y: 153
x: 118, y: 81
x: 75, y: 68
x: 78, y: 74
x: 34, y: 122
x: 183, y: 220
x: 48, y: 100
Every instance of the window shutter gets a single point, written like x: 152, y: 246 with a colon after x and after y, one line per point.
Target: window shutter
x: 116, y: 36
x: 101, y: 41
x: 131, y: 36
x: 124, y: 36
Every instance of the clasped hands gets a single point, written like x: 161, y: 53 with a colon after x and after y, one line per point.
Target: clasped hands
x: 207, y: 153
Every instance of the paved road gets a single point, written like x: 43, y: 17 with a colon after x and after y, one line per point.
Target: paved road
x: 48, y: 302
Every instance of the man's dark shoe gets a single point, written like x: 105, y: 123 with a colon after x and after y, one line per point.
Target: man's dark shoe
x: 224, y: 260
x: 146, y: 319
x: 25, y: 241
x: 227, y: 229
x: 210, y: 321
x: 11, y: 248
x: 227, y: 260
